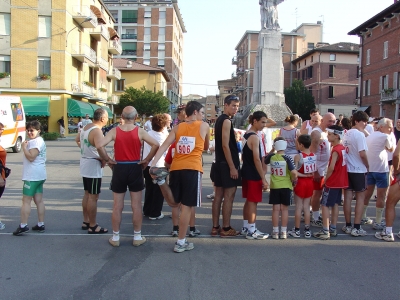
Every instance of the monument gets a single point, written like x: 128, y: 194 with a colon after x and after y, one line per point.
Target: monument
x: 268, y: 70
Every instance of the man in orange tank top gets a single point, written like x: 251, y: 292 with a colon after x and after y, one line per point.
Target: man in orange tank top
x: 191, y: 137
x: 127, y: 171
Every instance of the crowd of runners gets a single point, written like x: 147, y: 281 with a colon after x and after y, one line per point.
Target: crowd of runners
x: 325, y: 164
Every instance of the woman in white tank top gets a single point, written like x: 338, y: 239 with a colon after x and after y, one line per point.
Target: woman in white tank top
x: 290, y: 134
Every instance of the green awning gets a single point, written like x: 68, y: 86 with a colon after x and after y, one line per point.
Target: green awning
x: 36, y: 106
x: 79, y: 109
x: 110, y: 113
x: 95, y: 106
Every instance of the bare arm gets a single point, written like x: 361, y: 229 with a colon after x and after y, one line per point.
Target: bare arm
x: 95, y: 138
x: 315, y: 142
x: 205, y: 129
x: 30, y: 154
x: 331, y: 166
x: 108, y: 138
x: 396, y: 160
x: 144, y: 136
x: 303, y: 129
x: 363, y: 156
x: 226, y: 129
x: 78, y: 140
x: 270, y: 123
x: 253, y: 143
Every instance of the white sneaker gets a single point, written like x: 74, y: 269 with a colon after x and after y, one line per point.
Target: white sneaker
x: 244, y: 231
x: 185, y: 247
x: 347, y: 229
x: 157, y: 218
x: 367, y: 221
x: 358, y: 232
x: 283, y: 235
x: 257, y: 235
x: 2, y: 226
x: 378, y: 226
x: 275, y: 235
x: 211, y: 196
x: 383, y: 236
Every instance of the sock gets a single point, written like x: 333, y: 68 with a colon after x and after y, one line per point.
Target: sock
x: 251, y: 227
x: 137, y: 235
x: 283, y: 229
x: 181, y: 242
x: 40, y: 224
x: 325, y: 229
x: 378, y: 218
x: 216, y: 227
x: 333, y: 226
x: 389, y: 230
x: 22, y: 225
x: 364, y: 215
x: 175, y: 228
x: 357, y: 226
x: 307, y: 227
x: 296, y: 229
x: 275, y: 229
x: 115, y: 236
x: 245, y: 223
x: 348, y: 224
x: 226, y: 228
x: 192, y: 228
x: 316, y: 215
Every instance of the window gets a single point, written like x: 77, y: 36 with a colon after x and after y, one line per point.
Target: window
x: 129, y: 48
x: 331, y: 71
x: 44, y: 26
x: 358, y: 71
x: 305, y: 62
x: 368, y: 58
x: 44, y: 65
x: 147, y: 14
x: 357, y: 92
x: 310, y: 90
x: 161, y: 31
x: 120, y: 85
x: 5, y: 24
x: 385, y: 49
x: 331, y: 94
x: 367, y: 88
x: 146, y: 46
x: 161, y: 46
x: 384, y: 82
x: 358, y: 58
x: 129, y: 16
x: 310, y: 46
x: 332, y: 57
x: 310, y: 72
x: 396, y: 80
x: 161, y: 63
x: 162, y: 15
x: 312, y: 58
x: 331, y: 110
x: 146, y: 61
x: 208, y: 108
x: 5, y: 65
x: 147, y: 30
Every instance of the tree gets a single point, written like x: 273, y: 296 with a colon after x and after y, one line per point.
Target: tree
x: 299, y: 99
x: 146, y: 102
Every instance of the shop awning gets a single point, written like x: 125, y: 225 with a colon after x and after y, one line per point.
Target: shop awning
x: 110, y: 114
x: 363, y: 108
x: 36, y: 106
x: 95, y: 106
x: 79, y: 109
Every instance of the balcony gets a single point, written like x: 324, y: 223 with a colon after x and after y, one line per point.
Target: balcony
x: 102, y: 63
x: 99, y: 96
x: 113, y: 99
x: 129, y: 36
x: 233, y: 75
x: 240, y: 54
x: 114, y: 74
x: 82, y: 52
x: 128, y: 52
x: 81, y: 14
x: 129, y: 20
x: 100, y: 31
x: 234, y: 60
x: 114, y: 47
x: 390, y: 95
x: 239, y: 88
x: 82, y: 90
x: 239, y: 71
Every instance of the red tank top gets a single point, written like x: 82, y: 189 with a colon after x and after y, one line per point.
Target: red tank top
x: 309, y: 166
x: 127, y: 145
x: 339, y: 178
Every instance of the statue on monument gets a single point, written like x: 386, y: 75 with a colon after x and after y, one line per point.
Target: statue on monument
x: 269, y: 14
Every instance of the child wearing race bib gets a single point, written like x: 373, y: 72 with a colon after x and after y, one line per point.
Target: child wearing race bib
x: 336, y: 180
x: 306, y: 165
x: 283, y: 178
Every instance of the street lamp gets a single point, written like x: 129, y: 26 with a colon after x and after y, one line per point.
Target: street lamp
x: 86, y: 20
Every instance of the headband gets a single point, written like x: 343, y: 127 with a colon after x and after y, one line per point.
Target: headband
x: 334, y: 131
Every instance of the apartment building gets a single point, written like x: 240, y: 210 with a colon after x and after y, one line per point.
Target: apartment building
x: 152, y: 34
x: 57, y: 55
x: 294, y: 44
x: 330, y: 73
x: 225, y: 87
x: 379, y: 81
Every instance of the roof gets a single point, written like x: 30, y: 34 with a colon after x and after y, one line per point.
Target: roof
x: 380, y: 17
x: 121, y: 64
x: 306, y: 24
x: 334, y: 48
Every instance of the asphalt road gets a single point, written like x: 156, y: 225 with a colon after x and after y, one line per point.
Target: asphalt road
x: 66, y: 263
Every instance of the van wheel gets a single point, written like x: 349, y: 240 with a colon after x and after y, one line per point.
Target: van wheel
x: 17, y: 146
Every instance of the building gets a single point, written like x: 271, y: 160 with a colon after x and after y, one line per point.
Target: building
x: 152, y: 34
x: 191, y: 97
x: 137, y: 75
x: 330, y: 73
x: 294, y: 44
x: 225, y: 87
x: 211, y: 108
x: 379, y: 86
x: 58, y: 57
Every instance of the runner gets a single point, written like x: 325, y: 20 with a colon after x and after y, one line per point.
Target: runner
x: 307, y: 126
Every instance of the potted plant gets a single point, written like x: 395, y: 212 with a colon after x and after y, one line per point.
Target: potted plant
x: 44, y: 76
x: 102, y: 89
x: 88, y: 83
x: 4, y: 75
x: 388, y: 91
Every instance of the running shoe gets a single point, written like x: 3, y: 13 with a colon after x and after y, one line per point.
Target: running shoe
x: 211, y: 196
x: 332, y: 232
x: 157, y: 218
x: 257, y: 235
x: 358, y: 232
x: 275, y: 235
x: 244, y: 231
x: 398, y: 235
x: 137, y: 243
x: 322, y: 235
x: 174, y: 233
x: 38, y: 228
x: 378, y: 226
x: 229, y: 233
x: 316, y: 223
x: 2, y: 226
x: 20, y: 230
x: 160, y: 173
x: 294, y: 233
x: 307, y: 234
x: 381, y: 235
x: 283, y: 235
x: 366, y: 221
x: 185, y: 247
x: 347, y: 229
x: 194, y: 233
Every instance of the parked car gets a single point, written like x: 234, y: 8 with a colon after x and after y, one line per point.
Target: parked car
x: 72, y: 128
x: 106, y: 129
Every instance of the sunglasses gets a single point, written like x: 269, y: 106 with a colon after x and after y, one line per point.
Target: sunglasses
x: 232, y: 98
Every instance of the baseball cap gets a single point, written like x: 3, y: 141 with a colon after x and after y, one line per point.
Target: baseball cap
x: 280, y: 145
x: 370, y: 119
x: 180, y: 107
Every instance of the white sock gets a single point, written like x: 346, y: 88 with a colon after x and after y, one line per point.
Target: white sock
x: 389, y: 230
x: 22, y: 225
x: 40, y: 224
x: 364, y: 215
x: 245, y: 223
x: 115, y: 236
x: 251, y: 227
x: 275, y: 229
x: 181, y: 242
x: 283, y: 229
x: 137, y: 235
x: 316, y: 215
x: 379, y: 212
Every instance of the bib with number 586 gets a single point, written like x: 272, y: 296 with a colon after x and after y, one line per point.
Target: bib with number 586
x: 278, y: 168
x: 185, y: 144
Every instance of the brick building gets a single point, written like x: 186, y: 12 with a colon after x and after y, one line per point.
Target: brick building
x: 225, y: 87
x: 330, y: 73
x: 380, y: 63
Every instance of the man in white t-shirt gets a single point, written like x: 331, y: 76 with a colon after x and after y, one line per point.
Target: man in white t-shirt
x: 357, y: 168
x: 307, y: 125
x: 378, y: 143
x: 147, y: 126
x: 369, y: 128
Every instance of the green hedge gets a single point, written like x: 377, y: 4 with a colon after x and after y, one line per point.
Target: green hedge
x: 50, y: 136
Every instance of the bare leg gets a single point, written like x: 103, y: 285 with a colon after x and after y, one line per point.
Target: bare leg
x: 229, y: 195
x: 368, y: 193
x: 38, y: 199
x: 192, y: 222
x: 137, y: 216
x: 325, y: 216
x: 92, y: 209
x: 360, y: 196
x: 316, y: 200
x: 380, y: 197
x: 245, y: 210
x: 175, y: 216
x: 216, y: 205
x: 335, y: 214
x: 84, y: 207
x: 117, y: 211
x: 348, y: 197
x: 25, y: 208
x: 167, y: 194
x: 251, y: 211
x: 392, y: 199
x: 186, y: 211
x: 284, y: 215
x: 299, y: 207
x: 306, y: 209
x: 276, y: 209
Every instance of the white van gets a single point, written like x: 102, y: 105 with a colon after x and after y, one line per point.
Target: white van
x: 12, y: 115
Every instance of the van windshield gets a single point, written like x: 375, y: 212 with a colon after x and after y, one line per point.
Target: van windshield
x: 17, y: 111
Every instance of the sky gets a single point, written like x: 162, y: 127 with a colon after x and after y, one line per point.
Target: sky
x: 214, y: 28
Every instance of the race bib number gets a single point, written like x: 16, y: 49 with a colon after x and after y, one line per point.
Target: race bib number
x: 344, y: 157
x: 310, y: 164
x: 278, y: 168
x: 185, y: 144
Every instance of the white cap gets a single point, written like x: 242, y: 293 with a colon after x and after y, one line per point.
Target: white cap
x: 280, y: 145
x: 370, y: 119
x: 150, y: 116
